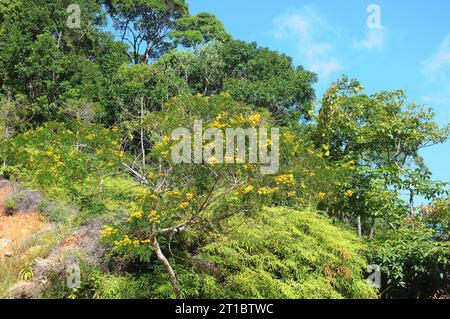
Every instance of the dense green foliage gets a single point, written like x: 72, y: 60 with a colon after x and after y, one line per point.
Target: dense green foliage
x: 414, y: 264
x: 277, y: 253
x: 282, y: 253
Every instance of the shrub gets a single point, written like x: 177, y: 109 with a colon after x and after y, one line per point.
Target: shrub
x: 96, y: 284
x: 283, y: 253
x: 55, y: 211
x: 413, y: 264
x: 77, y: 151
x: 10, y: 206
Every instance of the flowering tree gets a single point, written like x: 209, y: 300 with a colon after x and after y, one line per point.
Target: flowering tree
x: 191, y: 194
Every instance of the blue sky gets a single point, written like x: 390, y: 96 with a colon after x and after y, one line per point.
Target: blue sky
x: 411, y: 50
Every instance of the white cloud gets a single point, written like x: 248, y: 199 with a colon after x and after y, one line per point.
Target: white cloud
x: 436, y: 71
x: 440, y: 103
x: 375, y: 39
x: 437, y: 66
x: 326, y: 68
x: 437, y: 100
x: 306, y: 27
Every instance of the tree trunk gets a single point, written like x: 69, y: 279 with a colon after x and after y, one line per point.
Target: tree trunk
x: 169, y: 269
x: 359, y: 226
x: 142, y: 131
x: 412, y: 211
x: 372, y: 228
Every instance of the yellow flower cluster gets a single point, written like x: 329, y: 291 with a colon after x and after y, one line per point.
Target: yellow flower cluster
x: 292, y: 194
x: 53, y: 171
x: 126, y: 241
x: 165, y: 139
x: 143, y: 194
x: 246, y: 190
x: 349, y: 164
x: 136, y: 215
x: 90, y: 136
x: 151, y: 175
x: 254, y: 119
x: 190, y: 196
x: 175, y: 192
x: 73, y: 151
x: 212, y: 161
x: 267, y: 190
x: 184, y: 205
x: 163, y: 147
x: 218, y: 125
x: 288, y: 180
x: 238, y: 120
x: 58, y: 161
x: 165, y: 154
x: 120, y: 153
x: 222, y: 116
x: 349, y: 193
x: 322, y: 195
x: 108, y: 231
x: 154, y: 216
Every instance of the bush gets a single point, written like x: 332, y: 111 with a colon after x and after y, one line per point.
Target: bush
x: 413, y: 263
x: 55, y: 211
x: 10, y: 206
x: 96, y: 284
x: 283, y: 253
x: 77, y: 151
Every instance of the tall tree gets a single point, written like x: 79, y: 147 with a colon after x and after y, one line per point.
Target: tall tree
x: 200, y: 29
x: 250, y: 74
x: 382, y: 136
x: 145, y: 25
x: 49, y: 62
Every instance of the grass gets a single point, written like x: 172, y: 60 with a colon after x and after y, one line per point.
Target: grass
x: 24, y: 254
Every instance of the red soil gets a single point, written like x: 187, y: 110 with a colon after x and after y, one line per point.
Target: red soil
x: 17, y: 228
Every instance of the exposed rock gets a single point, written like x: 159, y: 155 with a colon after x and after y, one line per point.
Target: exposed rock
x: 25, y: 290
x: 83, y: 243
x: 27, y: 201
x: 8, y: 187
x: 4, y: 243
